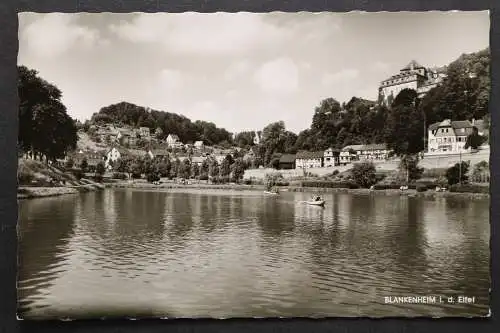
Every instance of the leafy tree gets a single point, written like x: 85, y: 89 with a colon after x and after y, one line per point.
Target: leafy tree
x: 136, y: 168
x: 404, y: 125
x: 100, y: 169
x: 238, y: 169
x: 474, y: 140
x: 163, y: 169
x: 481, y: 172
x: 244, y: 139
x: 458, y: 173
x: 364, y: 174
x: 195, y: 170
x: 464, y: 93
x: 225, y: 167
x: 409, y: 165
x: 84, y: 165
x: 213, y: 168
x: 272, y: 179
x: 204, y: 168
x: 175, y: 169
x: 185, y: 168
x: 45, y: 129
x: 70, y: 163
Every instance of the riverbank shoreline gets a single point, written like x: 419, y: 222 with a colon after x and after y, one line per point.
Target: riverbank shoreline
x: 29, y: 192
x: 243, y: 187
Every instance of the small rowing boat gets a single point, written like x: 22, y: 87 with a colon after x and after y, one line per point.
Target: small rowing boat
x: 271, y: 193
x: 316, y: 202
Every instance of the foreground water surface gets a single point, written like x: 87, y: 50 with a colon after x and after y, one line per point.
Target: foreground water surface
x: 243, y: 254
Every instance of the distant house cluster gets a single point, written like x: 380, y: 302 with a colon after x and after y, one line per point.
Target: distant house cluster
x: 334, y: 157
x: 449, y: 137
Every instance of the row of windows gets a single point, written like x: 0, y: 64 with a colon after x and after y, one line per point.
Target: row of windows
x: 449, y: 140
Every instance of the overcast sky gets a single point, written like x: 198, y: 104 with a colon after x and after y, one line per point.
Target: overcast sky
x: 240, y: 71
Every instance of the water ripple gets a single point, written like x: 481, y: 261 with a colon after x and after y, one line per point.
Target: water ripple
x: 242, y: 254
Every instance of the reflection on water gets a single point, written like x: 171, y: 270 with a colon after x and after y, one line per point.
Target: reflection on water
x: 242, y: 254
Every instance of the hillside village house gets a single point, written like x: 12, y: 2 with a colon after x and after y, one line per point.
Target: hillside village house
x: 220, y: 157
x: 370, y: 152
x: 287, y: 161
x: 250, y: 155
x: 158, y: 153
x: 449, y: 137
x: 331, y: 157
x: 93, y: 158
x: 113, y: 155
x: 199, y: 145
x: 349, y: 154
x: 198, y: 160
x: 412, y: 76
x: 306, y: 159
x: 374, y: 152
x: 144, y: 132
x: 173, y: 141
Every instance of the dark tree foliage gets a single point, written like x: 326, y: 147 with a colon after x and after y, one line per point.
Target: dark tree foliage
x: 405, y: 124
x: 464, y: 93
x: 458, y: 173
x: 358, y: 121
x: 161, y: 123
x: 364, y: 174
x: 244, y: 139
x: 45, y: 128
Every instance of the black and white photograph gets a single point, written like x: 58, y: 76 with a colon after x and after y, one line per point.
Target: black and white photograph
x: 253, y: 165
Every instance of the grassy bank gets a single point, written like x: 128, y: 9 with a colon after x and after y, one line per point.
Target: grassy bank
x: 144, y: 185
x: 30, y: 192
x: 37, y: 179
x: 242, y: 187
x: 393, y: 192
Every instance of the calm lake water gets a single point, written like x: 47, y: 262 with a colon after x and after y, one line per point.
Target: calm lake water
x: 242, y: 254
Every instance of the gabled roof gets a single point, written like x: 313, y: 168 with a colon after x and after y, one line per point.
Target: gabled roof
x: 353, y: 147
x: 159, y: 152
x: 433, y: 127
x: 461, y: 124
x: 375, y: 146
x: 412, y: 65
x: 287, y: 158
x: 309, y: 154
x: 198, y: 159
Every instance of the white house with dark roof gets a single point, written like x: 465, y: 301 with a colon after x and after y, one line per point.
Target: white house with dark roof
x: 173, y: 141
x: 331, y: 157
x: 448, y: 137
x: 199, y: 145
x: 309, y: 159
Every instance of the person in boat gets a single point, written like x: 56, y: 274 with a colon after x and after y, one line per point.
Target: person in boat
x: 317, y: 198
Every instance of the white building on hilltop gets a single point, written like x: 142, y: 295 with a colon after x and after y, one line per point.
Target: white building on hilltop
x: 412, y: 76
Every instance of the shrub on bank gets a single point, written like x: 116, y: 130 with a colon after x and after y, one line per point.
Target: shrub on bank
x: 421, y: 188
x: 469, y: 188
x: 152, y: 177
x: 24, y: 175
x: 97, y: 178
x: 78, y: 173
x: 119, y: 175
x: 329, y: 184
